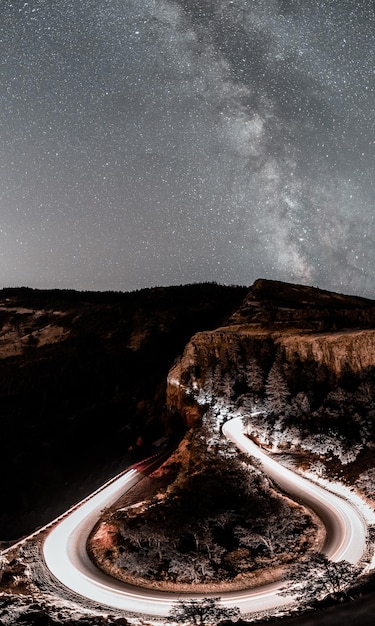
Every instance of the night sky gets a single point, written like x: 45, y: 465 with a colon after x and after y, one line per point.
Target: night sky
x: 158, y: 142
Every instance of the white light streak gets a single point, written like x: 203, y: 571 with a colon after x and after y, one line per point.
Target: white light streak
x: 66, y: 557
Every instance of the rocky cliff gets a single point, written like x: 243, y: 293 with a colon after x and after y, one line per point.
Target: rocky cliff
x: 292, y: 351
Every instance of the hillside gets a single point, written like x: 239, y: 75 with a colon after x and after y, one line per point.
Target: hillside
x: 206, y: 518
x: 82, y: 381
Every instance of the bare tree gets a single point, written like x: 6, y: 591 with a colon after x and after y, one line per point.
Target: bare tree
x: 201, y: 612
x: 318, y: 577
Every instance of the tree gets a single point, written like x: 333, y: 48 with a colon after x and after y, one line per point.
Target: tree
x: 254, y: 376
x: 318, y: 577
x: 277, y: 392
x: 201, y: 612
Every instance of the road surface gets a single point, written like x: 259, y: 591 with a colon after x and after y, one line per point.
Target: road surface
x: 66, y: 556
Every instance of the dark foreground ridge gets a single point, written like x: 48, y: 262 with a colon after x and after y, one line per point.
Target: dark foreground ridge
x: 82, y: 381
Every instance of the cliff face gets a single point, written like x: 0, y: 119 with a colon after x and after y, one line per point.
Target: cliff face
x: 227, y: 351
x: 339, y: 351
x: 300, y: 344
x: 219, y: 356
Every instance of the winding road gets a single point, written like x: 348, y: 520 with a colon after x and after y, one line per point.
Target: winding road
x: 66, y: 557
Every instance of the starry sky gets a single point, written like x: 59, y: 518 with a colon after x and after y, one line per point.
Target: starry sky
x: 159, y: 142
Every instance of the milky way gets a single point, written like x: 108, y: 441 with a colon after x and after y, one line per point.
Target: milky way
x: 158, y: 142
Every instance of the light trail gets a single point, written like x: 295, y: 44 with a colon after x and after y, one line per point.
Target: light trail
x: 345, y: 525
x: 66, y: 556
